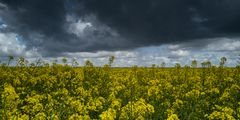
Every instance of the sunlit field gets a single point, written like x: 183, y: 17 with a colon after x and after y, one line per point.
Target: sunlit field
x: 59, y: 92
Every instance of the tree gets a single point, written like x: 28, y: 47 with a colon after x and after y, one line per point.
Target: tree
x: 88, y: 63
x: 178, y: 65
x: 163, y: 64
x: 194, y: 64
x: 203, y: 64
x: 64, y: 60
x: 10, y: 58
x: 111, y: 60
x: 208, y: 64
x: 154, y: 65
x: 74, y: 62
x: 223, y: 61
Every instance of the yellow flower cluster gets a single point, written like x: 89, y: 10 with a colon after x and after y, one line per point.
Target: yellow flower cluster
x: 62, y: 92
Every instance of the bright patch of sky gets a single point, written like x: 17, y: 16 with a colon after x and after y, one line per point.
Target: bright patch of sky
x: 146, y: 56
x: 11, y: 44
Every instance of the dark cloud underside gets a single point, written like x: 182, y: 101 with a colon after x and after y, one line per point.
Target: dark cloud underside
x: 169, y: 19
x: 138, y: 22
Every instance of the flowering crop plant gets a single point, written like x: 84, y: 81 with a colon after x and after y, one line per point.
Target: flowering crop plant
x: 41, y: 91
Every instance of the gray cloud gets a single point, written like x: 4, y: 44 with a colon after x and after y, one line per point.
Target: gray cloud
x: 225, y: 44
x: 59, y: 26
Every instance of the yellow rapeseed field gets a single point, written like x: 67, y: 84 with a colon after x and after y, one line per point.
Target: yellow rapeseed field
x: 61, y: 92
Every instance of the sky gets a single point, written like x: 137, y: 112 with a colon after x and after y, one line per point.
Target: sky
x: 136, y: 32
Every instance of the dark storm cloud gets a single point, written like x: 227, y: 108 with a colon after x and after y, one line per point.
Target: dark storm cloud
x: 169, y: 20
x: 38, y: 21
x: 42, y: 16
x: 136, y: 22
